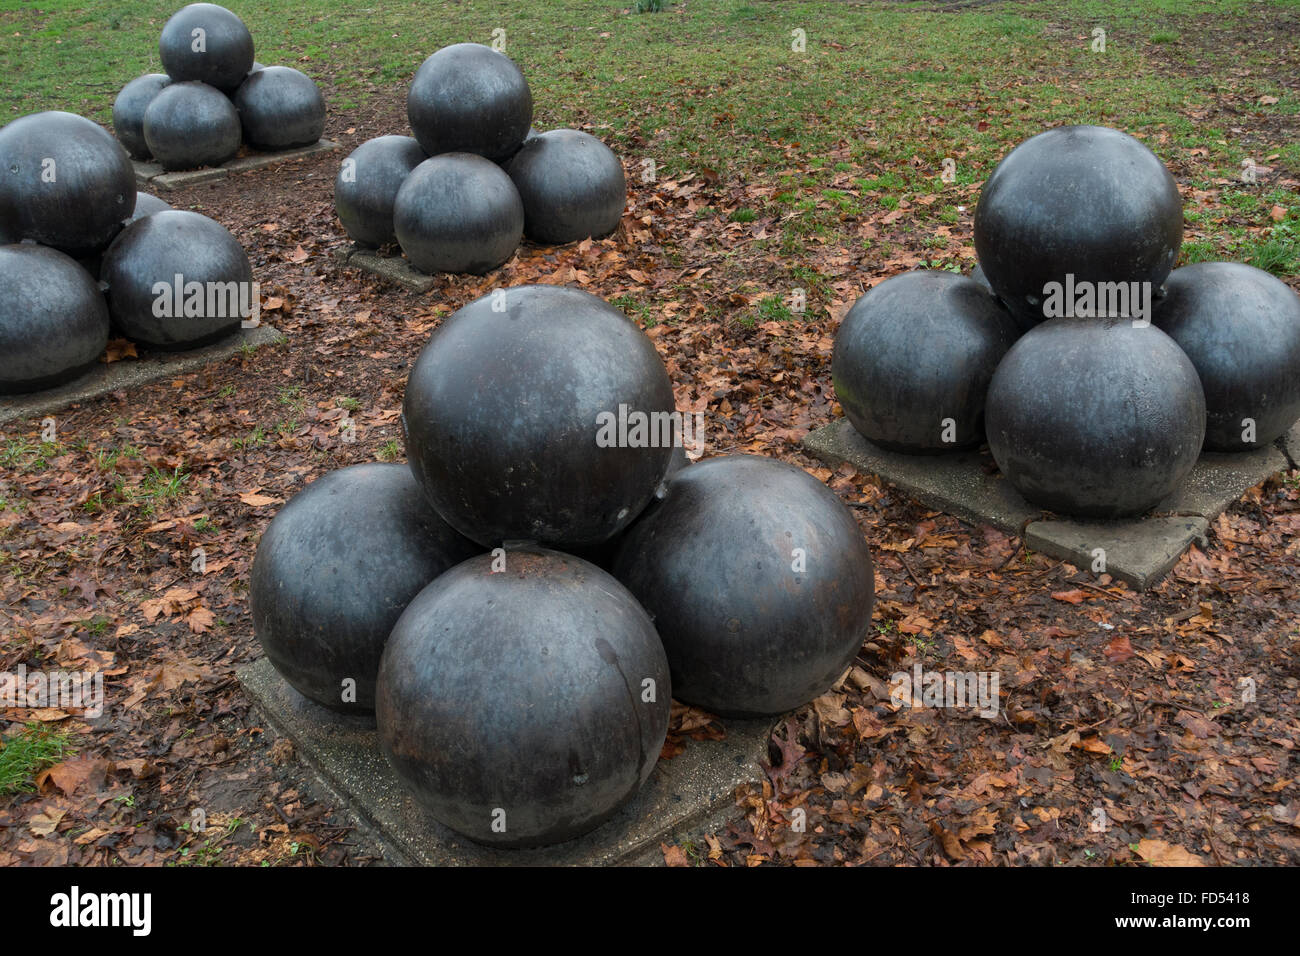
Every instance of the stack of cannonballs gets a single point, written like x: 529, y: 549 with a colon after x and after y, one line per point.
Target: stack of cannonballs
x: 522, y: 692
x: 214, y: 96
x: 1097, y: 375
x: 476, y: 178
x: 84, y: 252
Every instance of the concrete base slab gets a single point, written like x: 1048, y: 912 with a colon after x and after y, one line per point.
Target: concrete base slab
x: 393, y: 268
x: 1138, y: 551
x: 692, y: 791
x: 130, y: 373
x: 1291, y: 445
x: 151, y: 176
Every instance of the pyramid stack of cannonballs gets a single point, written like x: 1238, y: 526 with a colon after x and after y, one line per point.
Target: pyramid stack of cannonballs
x: 475, y: 178
x: 1095, y: 373
x: 521, y: 691
x: 214, y: 96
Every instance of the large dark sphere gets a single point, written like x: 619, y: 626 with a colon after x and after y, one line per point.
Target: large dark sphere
x: 64, y: 182
x: 367, y: 184
x: 571, y: 184
x: 158, y: 248
x: 458, y: 213
x: 759, y: 582
x: 913, y: 360
x: 280, y: 108
x: 467, y: 98
x: 1240, y: 327
x: 1081, y: 200
x: 128, y: 111
x: 189, y: 125
x: 536, y: 697
x: 53, y: 321
x: 335, y: 569
x: 503, y: 410
x: 1095, y: 418
x: 227, y: 46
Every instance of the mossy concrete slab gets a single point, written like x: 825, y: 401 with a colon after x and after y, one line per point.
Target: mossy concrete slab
x: 692, y: 792
x: 393, y: 268
x: 152, y: 176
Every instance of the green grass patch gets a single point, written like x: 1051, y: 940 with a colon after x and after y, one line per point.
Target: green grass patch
x: 35, y: 748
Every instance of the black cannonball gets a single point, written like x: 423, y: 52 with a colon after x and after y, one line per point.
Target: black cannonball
x: 1095, y: 418
x: 913, y: 360
x: 571, y: 184
x: 64, y: 182
x: 147, y: 301
x: 759, y: 582
x: 335, y: 569
x: 523, y: 706
x: 189, y: 125
x: 1240, y: 327
x: 280, y: 108
x: 534, y: 414
x: 367, y: 184
x: 128, y: 111
x: 1085, y: 201
x: 53, y: 321
x: 467, y: 98
x: 458, y: 212
x: 207, y: 43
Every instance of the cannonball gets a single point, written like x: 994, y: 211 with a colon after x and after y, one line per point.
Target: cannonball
x: 189, y: 125
x: 1095, y: 418
x: 537, y: 413
x: 759, y: 582
x: 458, y: 212
x: 367, y: 184
x: 335, y: 569
x: 177, y: 280
x: 207, y: 43
x: 128, y: 111
x: 1240, y: 327
x: 913, y: 360
x: 571, y: 184
x: 1082, y: 201
x: 523, y: 699
x: 53, y: 321
x: 467, y: 98
x: 64, y: 182
x: 280, y: 108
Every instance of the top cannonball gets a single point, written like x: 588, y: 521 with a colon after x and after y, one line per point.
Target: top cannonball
x: 207, y: 43
x: 1240, y: 327
x: 128, y: 111
x: 64, y: 182
x: 367, y: 184
x: 280, y: 108
x: 468, y: 98
x: 571, y: 184
x: 1085, y: 201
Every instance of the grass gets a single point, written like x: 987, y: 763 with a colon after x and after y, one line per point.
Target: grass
x: 35, y: 748
x: 390, y: 450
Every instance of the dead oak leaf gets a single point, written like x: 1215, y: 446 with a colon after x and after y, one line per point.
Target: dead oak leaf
x: 1160, y: 853
x: 69, y: 776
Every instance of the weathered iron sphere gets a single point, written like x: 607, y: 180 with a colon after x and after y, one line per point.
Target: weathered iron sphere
x: 177, y: 280
x: 468, y: 98
x: 571, y: 184
x: 128, y: 111
x: 1085, y: 201
x: 521, y: 418
x: 188, y: 125
x: 1240, y: 327
x: 64, y: 182
x: 458, y: 212
x: 759, y: 582
x: 53, y: 321
x: 335, y: 569
x: 525, y: 706
x: 280, y: 108
x: 367, y: 183
x: 913, y: 360
x: 1095, y: 418
x: 220, y: 54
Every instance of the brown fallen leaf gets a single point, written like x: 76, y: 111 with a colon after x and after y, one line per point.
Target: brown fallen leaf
x: 674, y: 855
x: 71, y: 775
x: 1070, y: 597
x: 1119, y: 650
x: 258, y: 501
x: 1160, y: 853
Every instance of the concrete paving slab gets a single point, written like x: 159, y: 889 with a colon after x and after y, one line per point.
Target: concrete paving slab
x: 1290, y: 443
x: 694, y: 790
x: 393, y: 268
x: 153, y: 176
x: 1139, y: 553
x: 131, y: 373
